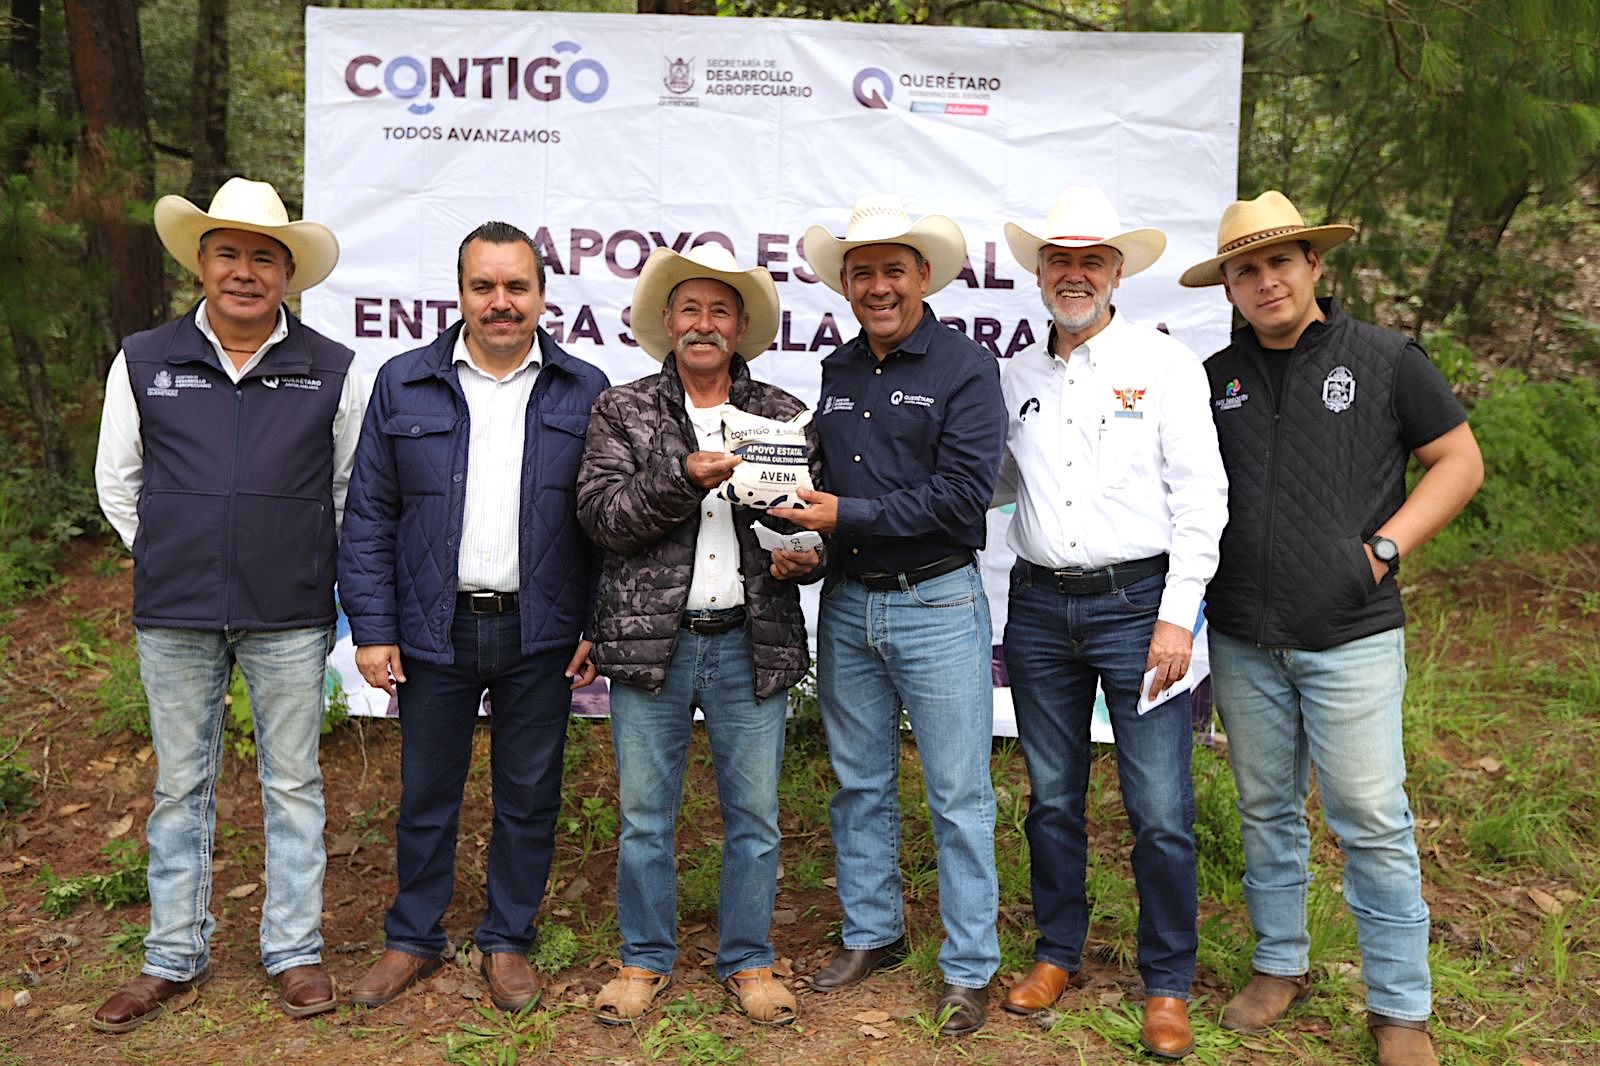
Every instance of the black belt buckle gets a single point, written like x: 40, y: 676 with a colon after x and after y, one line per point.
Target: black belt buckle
x: 1073, y: 582
x: 486, y: 602
x: 709, y: 623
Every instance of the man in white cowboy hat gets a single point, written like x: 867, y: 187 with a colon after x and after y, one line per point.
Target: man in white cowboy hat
x: 225, y: 450
x: 1121, y: 498
x: 463, y: 568
x: 912, y: 426
x: 692, y: 612
x: 1317, y: 415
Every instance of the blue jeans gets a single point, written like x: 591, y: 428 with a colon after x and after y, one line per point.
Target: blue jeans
x: 530, y: 698
x: 186, y: 674
x: 925, y: 648
x: 1285, y: 709
x: 651, y: 738
x: 1058, y: 648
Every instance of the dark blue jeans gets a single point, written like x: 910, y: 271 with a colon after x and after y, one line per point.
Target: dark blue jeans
x: 530, y: 699
x: 1058, y: 648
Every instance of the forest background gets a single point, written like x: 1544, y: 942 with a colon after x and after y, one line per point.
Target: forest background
x: 1461, y: 138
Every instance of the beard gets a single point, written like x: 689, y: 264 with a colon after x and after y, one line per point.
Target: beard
x: 1068, y: 322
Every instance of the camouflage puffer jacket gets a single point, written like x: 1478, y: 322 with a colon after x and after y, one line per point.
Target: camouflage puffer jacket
x: 636, y: 501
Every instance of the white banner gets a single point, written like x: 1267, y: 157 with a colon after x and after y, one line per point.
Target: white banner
x: 605, y: 136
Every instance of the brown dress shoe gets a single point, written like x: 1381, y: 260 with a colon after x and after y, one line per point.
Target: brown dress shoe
x: 1401, y: 1042
x: 141, y: 999
x: 393, y: 973
x: 971, y: 1009
x: 1166, y: 1032
x: 512, y: 982
x: 1263, y: 1002
x: 1040, y: 989
x: 854, y: 965
x: 305, y: 990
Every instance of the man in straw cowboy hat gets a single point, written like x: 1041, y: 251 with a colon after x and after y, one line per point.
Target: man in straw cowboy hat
x: 463, y: 568
x: 912, y: 427
x: 1317, y: 415
x: 225, y: 449
x: 1121, y: 498
x: 691, y: 611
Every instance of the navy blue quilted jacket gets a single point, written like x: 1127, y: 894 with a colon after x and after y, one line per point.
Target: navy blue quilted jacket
x: 402, y: 519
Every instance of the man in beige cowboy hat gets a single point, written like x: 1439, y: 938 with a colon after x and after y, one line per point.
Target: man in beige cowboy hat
x: 1112, y: 459
x: 225, y: 451
x: 1317, y: 415
x: 692, y: 612
x: 912, y: 426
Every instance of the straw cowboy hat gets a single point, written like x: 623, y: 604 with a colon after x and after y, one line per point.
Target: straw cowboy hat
x: 1084, y: 218
x: 666, y: 269
x: 248, y: 205
x: 883, y: 220
x: 1268, y: 219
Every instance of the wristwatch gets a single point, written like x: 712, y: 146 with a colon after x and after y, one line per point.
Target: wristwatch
x: 1385, y: 550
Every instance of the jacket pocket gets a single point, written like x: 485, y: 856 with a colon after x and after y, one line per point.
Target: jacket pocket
x: 178, y: 555
x: 282, y: 557
x: 421, y: 446
x: 561, y: 449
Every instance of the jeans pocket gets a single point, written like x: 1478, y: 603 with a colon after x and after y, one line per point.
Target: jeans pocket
x: 954, y: 589
x: 1144, y: 595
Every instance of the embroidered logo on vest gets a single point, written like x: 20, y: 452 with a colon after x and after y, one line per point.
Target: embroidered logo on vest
x: 1339, y: 389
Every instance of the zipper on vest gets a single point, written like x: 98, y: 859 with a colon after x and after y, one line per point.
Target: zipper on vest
x: 233, y: 492
x: 1266, y: 539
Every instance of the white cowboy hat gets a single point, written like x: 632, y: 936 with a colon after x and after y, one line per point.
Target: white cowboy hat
x: 1268, y: 219
x: 666, y: 269
x: 883, y: 220
x: 1084, y: 218
x: 248, y: 205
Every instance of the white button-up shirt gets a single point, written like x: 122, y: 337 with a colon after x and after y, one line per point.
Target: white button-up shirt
x: 119, y: 459
x: 1111, y: 456
x: 717, y: 583
x: 497, y: 413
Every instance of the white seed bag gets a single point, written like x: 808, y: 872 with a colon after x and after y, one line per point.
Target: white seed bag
x: 774, y: 455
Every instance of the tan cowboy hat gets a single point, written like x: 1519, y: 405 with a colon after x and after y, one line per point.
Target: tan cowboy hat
x: 248, y: 205
x: 883, y: 220
x: 666, y: 269
x: 1268, y: 219
x: 1084, y: 218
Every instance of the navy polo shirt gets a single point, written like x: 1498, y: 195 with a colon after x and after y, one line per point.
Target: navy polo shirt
x: 911, y: 445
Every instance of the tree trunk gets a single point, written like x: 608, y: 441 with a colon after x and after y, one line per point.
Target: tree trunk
x: 35, y: 374
x: 22, y: 56
x: 208, y: 101
x: 1471, y: 241
x: 108, y: 77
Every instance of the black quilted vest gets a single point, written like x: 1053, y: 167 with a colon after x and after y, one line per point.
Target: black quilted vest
x: 236, y: 524
x: 1310, y: 478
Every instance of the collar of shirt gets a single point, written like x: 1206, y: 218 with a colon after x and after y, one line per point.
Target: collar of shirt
x: 1098, y: 348
x: 463, y: 354
x: 279, y: 332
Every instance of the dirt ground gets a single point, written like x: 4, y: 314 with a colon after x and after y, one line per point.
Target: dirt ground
x: 93, y: 788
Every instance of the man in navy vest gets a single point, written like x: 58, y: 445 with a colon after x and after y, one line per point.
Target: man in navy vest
x: 1317, y: 415
x: 464, y: 568
x: 225, y: 449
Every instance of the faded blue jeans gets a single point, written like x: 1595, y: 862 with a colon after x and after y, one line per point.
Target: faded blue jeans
x: 1284, y: 710
x: 650, y: 734
x: 186, y: 674
x: 926, y: 648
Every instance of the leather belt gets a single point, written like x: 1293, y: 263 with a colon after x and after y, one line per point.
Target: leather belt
x: 709, y: 623
x: 879, y: 582
x: 486, y: 602
x: 1073, y: 582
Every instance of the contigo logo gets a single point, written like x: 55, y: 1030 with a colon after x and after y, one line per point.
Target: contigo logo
x: 478, y: 77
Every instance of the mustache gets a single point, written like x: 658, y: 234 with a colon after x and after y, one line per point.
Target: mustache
x: 695, y: 337
x: 500, y: 316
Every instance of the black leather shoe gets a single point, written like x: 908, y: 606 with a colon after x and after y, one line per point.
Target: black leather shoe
x: 971, y: 1009
x: 851, y: 967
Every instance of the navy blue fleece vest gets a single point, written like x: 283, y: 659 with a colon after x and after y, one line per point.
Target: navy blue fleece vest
x: 236, y: 521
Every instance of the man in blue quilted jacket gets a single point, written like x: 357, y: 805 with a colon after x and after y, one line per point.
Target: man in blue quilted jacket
x: 463, y: 568
x: 1317, y: 415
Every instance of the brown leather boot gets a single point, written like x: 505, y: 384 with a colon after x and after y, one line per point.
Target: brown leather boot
x: 512, y: 982
x: 1040, y: 989
x: 1166, y: 1032
x: 1263, y: 1002
x: 141, y: 999
x: 1401, y: 1042
x: 393, y: 973
x: 305, y: 990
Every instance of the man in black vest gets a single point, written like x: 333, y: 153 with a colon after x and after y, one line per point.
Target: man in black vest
x: 225, y: 448
x: 1317, y: 415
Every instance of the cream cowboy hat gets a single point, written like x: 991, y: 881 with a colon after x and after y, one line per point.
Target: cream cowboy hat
x: 666, y: 269
x: 1084, y: 218
x: 248, y: 205
x: 1268, y: 219
x: 882, y: 220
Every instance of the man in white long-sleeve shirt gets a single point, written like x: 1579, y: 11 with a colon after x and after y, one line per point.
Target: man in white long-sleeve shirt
x: 225, y: 447
x: 1121, y: 499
